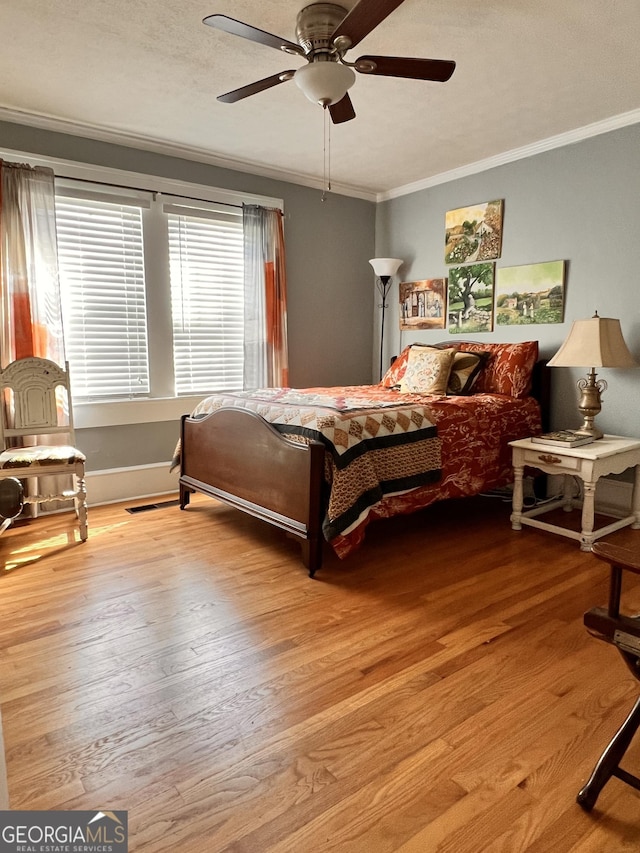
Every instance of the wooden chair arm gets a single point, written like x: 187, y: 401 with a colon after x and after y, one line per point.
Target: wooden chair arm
x: 625, y: 558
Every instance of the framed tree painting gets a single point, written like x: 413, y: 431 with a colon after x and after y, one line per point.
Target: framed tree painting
x: 531, y: 293
x: 471, y: 298
x: 473, y: 233
x: 423, y: 304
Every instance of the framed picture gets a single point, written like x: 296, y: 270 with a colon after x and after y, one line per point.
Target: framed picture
x: 473, y: 233
x: 532, y: 293
x: 423, y: 304
x: 471, y: 298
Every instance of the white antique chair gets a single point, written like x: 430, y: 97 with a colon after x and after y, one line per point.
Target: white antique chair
x: 32, y: 411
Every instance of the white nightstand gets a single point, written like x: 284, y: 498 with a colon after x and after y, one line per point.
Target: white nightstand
x: 612, y: 454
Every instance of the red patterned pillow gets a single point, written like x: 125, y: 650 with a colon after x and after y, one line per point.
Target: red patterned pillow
x: 394, y: 375
x: 508, y: 370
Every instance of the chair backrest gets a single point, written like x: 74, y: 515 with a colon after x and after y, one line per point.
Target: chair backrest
x: 36, y: 408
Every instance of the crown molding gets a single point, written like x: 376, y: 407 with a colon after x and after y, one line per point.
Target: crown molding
x: 200, y: 155
x: 172, y: 149
x: 568, y: 138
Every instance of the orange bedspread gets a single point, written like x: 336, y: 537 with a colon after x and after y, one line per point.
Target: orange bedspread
x: 475, y: 432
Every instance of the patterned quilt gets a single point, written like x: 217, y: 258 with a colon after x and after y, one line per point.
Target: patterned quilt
x: 474, y: 432
x: 392, y: 453
x: 378, y: 444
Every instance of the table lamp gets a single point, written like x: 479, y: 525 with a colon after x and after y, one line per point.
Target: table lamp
x: 596, y: 342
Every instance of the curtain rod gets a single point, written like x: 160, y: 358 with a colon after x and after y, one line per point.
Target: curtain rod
x: 145, y: 189
x: 141, y: 189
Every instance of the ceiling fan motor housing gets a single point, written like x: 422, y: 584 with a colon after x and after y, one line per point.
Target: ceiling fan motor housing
x: 316, y: 24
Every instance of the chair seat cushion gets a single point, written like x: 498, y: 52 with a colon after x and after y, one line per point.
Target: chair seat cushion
x: 23, y: 457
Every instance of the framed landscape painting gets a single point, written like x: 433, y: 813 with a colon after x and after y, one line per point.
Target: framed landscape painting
x: 471, y: 298
x: 423, y: 304
x: 473, y: 233
x: 530, y: 294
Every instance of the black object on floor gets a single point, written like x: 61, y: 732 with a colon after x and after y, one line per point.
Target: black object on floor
x: 147, y: 507
x: 623, y: 632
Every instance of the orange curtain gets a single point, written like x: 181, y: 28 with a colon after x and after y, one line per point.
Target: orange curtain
x: 266, y: 349
x: 31, y: 314
x: 30, y: 306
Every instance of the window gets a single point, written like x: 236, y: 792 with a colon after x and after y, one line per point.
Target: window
x: 152, y: 293
x: 101, y: 263
x: 133, y: 376
x: 207, y: 298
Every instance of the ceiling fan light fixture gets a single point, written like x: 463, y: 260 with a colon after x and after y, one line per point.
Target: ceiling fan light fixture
x: 324, y: 83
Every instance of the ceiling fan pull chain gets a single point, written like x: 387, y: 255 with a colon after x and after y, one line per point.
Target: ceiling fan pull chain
x: 328, y: 124
x: 326, y: 154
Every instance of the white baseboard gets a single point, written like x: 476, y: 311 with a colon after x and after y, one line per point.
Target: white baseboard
x: 124, y: 484
x: 147, y: 481
x: 612, y: 496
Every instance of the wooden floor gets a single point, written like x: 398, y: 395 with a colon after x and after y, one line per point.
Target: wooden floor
x: 435, y: 692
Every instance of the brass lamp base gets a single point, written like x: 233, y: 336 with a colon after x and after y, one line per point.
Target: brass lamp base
x: 590, y: 403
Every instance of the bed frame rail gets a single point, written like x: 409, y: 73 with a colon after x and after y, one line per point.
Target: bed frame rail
x: 237, y: 457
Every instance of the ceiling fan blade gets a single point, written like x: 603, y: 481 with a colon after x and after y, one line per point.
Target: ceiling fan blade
x: 438, y: 70
x: 254, y: 88
x: 342, y: 111
x: 363, y: 18
x: 238, y: 28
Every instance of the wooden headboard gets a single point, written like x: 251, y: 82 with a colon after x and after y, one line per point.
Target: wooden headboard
x: 541, y: 390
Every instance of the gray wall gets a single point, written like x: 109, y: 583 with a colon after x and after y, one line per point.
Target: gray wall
x: 330, y: 282
x: 580, y: 203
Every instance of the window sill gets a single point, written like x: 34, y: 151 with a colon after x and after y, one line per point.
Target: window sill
x: 122, y: 412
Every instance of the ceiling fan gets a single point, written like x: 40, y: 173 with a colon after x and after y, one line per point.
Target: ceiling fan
x: 325, y: 32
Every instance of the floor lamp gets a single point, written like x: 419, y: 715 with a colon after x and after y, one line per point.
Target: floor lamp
x: 384, y: 268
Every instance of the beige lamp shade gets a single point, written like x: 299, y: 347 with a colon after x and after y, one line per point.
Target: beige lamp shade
x: 596, y: 342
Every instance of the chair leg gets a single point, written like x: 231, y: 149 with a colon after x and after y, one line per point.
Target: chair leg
x: 81, y: 505
x: 608, y: 764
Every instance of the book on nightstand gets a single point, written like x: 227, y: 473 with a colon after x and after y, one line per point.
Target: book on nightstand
x: 563, y: 438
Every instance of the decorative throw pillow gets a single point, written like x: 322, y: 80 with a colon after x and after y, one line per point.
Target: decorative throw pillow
x: 464, y: 371
x: 394, y: 374
x: 427, y: 371
x: 508, y: 370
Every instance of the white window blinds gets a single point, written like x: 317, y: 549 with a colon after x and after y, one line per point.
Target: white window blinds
x: 207, y: 302
x: 101, y: 261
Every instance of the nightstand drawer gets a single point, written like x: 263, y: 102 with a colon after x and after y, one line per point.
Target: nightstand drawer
x: 551, y: 459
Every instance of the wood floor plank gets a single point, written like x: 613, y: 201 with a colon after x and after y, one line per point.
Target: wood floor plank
x: 435, y: 692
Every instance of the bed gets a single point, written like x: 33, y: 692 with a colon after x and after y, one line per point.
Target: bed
x: 323, y: 463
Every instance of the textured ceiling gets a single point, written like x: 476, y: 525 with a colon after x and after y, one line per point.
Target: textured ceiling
x: 150, y: 71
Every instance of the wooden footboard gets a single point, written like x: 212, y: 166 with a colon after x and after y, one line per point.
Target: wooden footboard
x: 237, y: 457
